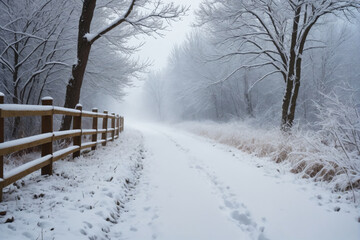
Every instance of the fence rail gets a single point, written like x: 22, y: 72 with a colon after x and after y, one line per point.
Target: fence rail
x: 48, y: 136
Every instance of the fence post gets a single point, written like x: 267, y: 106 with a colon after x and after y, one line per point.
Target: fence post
x: 77, y: 125
x: 117, y: 125
x: 2, y: 129
x: 104, y: 135
x: 113, y: 126
x: 94, y: 126
x: 122, y: 124
x: 46, y: 127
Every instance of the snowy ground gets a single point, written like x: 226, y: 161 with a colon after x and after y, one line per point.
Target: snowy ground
x: 83, y: 198
x: 196, y: 189
x: 190, y: 188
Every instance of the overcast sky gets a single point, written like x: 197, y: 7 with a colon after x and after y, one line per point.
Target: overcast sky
x: 157, y: 50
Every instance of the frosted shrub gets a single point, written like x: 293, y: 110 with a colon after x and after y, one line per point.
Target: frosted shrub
x: 317, y: 155
x: 339, y: 121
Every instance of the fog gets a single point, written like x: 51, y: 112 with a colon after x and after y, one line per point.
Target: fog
x: 157, y: 50
x: 221, y: 102
x: 220, y: 72
x: 211, y: 63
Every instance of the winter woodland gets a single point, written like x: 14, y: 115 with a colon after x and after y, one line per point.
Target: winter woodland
x: 263, y: 66
x: 269, y: 87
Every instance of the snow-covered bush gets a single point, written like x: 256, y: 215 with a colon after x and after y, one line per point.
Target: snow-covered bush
x: 311, y: 154
x: 339, y: 123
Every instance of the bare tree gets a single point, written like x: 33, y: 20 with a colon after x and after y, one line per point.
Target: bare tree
x: 272, y: 33
x: 155, y: 90
x: 33, y: 48
x: 189, y: 77
x: 130, y: 18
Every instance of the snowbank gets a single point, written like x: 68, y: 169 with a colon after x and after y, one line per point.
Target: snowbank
x: 82, y: 200
x: 306, y: 153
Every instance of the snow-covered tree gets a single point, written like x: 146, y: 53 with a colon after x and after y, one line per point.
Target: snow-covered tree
x: 194, y: 82
x: 155, y: 90
x: 32, y: 46
x: 272, y: 33
x: 34, y: 50
x: 127, y: 18
x: 38, y: 49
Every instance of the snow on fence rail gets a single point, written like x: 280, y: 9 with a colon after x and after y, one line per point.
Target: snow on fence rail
x: 48, y: 136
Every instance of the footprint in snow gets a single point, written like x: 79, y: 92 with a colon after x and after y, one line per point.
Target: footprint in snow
x: 44, y: 224
x: 237, y: 210
x: 12, y: 227
x: 231, y: 205
x: 83, y: 232
x: 199, y: 167
x: 89, y: 225
x: 28, y: 235
x: 241, y: 218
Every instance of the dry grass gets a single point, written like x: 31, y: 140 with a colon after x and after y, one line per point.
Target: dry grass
x: 306, y: 153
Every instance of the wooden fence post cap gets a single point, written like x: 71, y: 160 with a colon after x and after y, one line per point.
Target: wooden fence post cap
x: 47, y: 100
x: 113, y: 113
x: 2, y: 95
x: 94, y: 110
x: 105, y: 111
x: 78, y: 106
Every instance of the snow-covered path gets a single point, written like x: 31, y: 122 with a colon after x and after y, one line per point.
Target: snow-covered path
x: 195, y: 189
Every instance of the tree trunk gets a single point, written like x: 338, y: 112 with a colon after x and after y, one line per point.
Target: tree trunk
x: 298, y: 63
x: 285, y: 125
x: 286, y: 121
x: 15, y: 130
x: 248, y: 103
x: 294, y: 96
x: 73, y: 88
x: 296, y: 88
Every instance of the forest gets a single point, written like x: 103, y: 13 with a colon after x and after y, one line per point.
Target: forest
x: 249, y: 130
x: 273, y: 78
x: 286, y: 65
x: 45, y: 48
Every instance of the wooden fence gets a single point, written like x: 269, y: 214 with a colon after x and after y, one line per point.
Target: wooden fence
x: 48, y: 136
